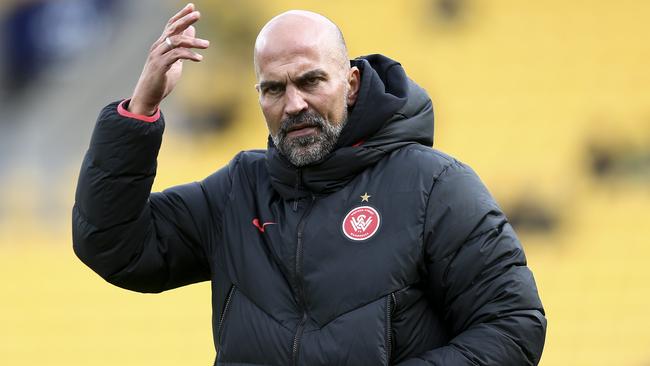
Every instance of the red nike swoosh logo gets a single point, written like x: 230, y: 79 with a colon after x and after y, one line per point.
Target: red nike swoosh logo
x: 259, y: 227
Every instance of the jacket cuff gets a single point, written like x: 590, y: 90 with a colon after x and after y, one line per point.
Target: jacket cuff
x: 124, y: 112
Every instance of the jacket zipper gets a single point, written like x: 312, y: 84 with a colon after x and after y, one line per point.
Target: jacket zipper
x: 226, y: 306
x: 296, y: 338
x: 297, y: 187
x: 299, y: 283
x: 391, y: 304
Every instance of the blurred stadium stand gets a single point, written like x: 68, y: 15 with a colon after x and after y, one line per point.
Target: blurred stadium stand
x: 548, y: 101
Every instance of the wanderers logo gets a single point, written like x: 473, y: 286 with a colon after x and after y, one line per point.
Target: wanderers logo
x: 361, y: 223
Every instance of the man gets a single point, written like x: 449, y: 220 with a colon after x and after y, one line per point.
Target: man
x: 349, y: 241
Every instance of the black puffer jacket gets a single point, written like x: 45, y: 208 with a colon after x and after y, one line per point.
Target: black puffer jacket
x: 387, y: 252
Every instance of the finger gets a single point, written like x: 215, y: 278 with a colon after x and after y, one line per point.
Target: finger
x: 176, y: 54
x: 180, y: 25
x: 181, y: 41
x: 186, y: 10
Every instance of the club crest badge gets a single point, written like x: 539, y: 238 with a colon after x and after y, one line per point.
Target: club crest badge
x: 361, y: 223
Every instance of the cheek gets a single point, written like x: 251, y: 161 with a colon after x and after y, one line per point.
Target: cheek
x: 273, y: 116
x: 337, y: 105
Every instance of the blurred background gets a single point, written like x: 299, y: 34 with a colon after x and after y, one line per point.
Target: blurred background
x: 549, y: 101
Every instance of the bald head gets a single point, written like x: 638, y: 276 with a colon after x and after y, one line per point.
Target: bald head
x: 298, y: 31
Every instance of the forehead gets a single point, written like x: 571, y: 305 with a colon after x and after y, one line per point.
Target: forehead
x: 286, y: 52
x: 290, y: 64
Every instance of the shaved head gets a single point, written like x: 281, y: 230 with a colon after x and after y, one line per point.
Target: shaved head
x: 295, y: 29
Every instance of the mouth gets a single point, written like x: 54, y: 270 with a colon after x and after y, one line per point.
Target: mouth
x: 302, y: 129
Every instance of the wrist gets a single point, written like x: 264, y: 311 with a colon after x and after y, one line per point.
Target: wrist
x: 134, y: 106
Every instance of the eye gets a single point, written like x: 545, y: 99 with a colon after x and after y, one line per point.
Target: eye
x: 273, y: 89
x: 312, y: 81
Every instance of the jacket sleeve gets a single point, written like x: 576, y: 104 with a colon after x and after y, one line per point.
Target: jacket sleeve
x: 133, y: 239
x: 478, y: 278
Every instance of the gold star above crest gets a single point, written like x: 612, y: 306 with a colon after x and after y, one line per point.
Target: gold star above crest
x: 365, y: 197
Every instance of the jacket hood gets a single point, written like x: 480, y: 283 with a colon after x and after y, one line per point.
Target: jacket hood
x: 391, y: 111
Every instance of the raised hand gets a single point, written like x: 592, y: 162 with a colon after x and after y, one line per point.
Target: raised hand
x: 164, y: 65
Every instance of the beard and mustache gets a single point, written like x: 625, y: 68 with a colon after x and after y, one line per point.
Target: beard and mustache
x: 305, y: 150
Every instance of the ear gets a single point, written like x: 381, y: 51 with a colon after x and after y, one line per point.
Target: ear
x: 354, y: 82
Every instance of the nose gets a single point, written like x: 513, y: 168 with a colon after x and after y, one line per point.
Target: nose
x: 295, y: 103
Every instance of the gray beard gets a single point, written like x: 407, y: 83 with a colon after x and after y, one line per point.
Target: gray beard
x: 305, y: 150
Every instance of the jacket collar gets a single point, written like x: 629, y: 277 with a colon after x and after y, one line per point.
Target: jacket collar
x: 383, y: 93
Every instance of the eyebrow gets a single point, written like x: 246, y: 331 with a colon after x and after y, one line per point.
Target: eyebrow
x: 269, y: 84
x: 316, y: 73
